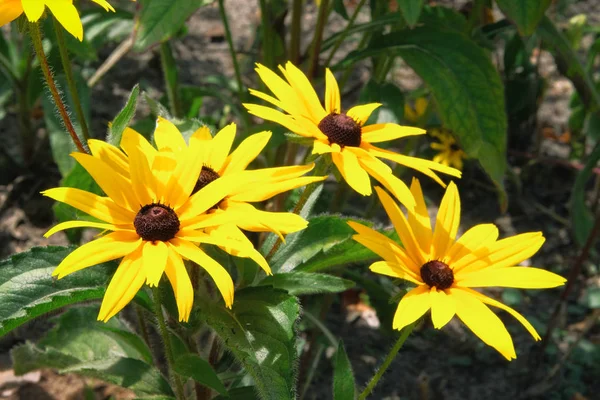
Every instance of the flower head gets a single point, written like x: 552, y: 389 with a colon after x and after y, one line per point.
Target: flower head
x: 154, y: 218
x: 448, y: 151
x: 63, y: 10
x: 445, y: 269
x: 343, y: 134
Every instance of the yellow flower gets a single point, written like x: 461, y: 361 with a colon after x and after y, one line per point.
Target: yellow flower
x: 414, y: 115
x: 251, y: 185
x: 344, y: 135
x: 155, y: 220
x: 445, y: 268
x: 63, y: 10
x: 449, y: 152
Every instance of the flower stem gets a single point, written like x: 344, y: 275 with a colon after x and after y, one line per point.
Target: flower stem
x: 236, y: 66
x: 36, y: 40
x: 166, y: 339
x: 267, y: 35
x: 388, y: 360
x: 296, y: 31
x: 344, y: 33
x: 169, y: 67
x: 64, y: 57
x: 313, y: 63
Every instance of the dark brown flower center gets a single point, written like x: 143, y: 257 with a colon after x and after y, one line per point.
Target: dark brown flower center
x: 207, y: 175
x: 454, y: 147
x: 438, y: 274
x: 156, y: 222
x: 341, y: 129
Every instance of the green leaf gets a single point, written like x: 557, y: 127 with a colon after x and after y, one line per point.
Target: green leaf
x: 340, y: 8
x: 343, y: 377
x: 260, y: 332
x: 123, y: 118
x: 241, y: 393
x: 464, y: 83
x: 192, y: 366
x: 302, y: 283
x: 391, y: 98
x: 526, y: 14
x: 581, y: 216
x: 446, y: 17
x: 411, y: 10
x: 27, y: 289
x: 592, y: 297
x: 161, y: 19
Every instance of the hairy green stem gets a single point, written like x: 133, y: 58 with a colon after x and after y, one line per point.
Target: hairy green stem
x: 315, y: 49
x: 296, y: 31
x: 386, y: 363
x: 345, y: 32
x: 166, y: 339
x: 36, y: 40
x: 66, y: 62
x: 171, y: 75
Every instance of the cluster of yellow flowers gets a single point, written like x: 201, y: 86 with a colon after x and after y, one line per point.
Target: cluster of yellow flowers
x: 162, y: 203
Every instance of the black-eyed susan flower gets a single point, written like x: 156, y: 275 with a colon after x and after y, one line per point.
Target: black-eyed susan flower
x: 153, y: 220
x: 449, y: 153
x: 445, y: 269
x: 344, y: 135
x: 63, y: 10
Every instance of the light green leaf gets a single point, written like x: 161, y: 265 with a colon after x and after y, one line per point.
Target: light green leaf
x: 192, y: 366
x: 343, y: 377
x: 526, y: 14
x: 302, y: 283
x: 260, y: 332
x: 581, y: 216
x: 123, y: 118
x: 411, y: 10
x: 27, y: 289
x: 464, y: 83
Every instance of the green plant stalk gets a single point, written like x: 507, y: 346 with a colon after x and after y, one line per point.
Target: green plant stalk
x: 6, y: 67
x: 296, y: 31
x: 66, y: 62
x: 348, y: 71
x: 236, y: 66
x: 142, y: 323
x: 388, y: 360
x: 344, y: 33
x: 267, y: 35
x: 166, y: 339
x: 36, y: 40
x: 315, y: 48
x: 167, y: 62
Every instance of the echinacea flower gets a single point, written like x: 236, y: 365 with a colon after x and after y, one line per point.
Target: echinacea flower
x: 344, y: 135
x: 63, y: 10
x: 445, y: 269
x: 448, y: 151
x: 155, y: 221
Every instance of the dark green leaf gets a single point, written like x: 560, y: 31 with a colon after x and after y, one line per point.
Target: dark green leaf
x: 391, y: 98
x: 260, y: 333
x: 464, y: 83
x: 581, y: 216
x: 192, y: 366
x: 343, y: 378
x: 123, y: 118
x: 241, y: 393
x: 525, y: 14
x: 446, y: 17
x: 301, y: 283
x: 27, y: 289
x: 411, y: 10
x: 340, y: 8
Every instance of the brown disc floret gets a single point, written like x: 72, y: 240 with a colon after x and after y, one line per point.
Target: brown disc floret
x: 341, y: 129
x: 156, y: 222
x: 437, y: 274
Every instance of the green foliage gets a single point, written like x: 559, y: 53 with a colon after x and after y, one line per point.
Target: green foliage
x: 581, y: 216
x: 28, y: 290
x: 123, y: 118
x: 391, y: 98
x: 411, y: 10
x: 343, y: 377
x: 192, y: 366
x: 301, y: 283
x: 525, y: 14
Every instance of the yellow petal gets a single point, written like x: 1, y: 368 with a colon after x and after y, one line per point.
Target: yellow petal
x: 287, y: 96
x: 471, y: 246
x: 116, y: 186
x: 246, y: 152
x: 106, y: 248
x: 163, y: 169
x: 407, y: 236
x: 202, y: 133
x: 394, y: 270
x: 483, y: 322
x: 421, y: 105
x: 305, y: 92
x: 111, y: 155
x: 10, y: 10
x: 362, y: 113
x: 102, y: 208
x: 413, y: 305
x: 131, y: 140
x: 320, y: 147
x: 184, y: 178
x: 221, y: 145
x: 182, y: 286
x: 142, y: 179
x: 267, y: 98
x: 168, y: 137
x: 84, y: 224
x: 446, y: 223
x: 418, y: 218
x: 268, y: 190
x: 33, y: 9
x: 125, y: 283
x: 155, y: 260
x: 348, y: 165
x: 332, y: 94
x: 214, y: 269
x: 104, y: 4
x: 213, y: 219
x: 240, y: 246
x: 443, y: 308
x: 206, y: 198
x: 515, y: 277
x: 386, y: 132
x: 65, y: 12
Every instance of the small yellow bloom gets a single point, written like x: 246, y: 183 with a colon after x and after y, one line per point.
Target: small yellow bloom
x: 63, y: 10
x: 445, y: 269
x: 414, y: 115
x: 344, y: 135
x: 155, y: 221
x: 449, y: 152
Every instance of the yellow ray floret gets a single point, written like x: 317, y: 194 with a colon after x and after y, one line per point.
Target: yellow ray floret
x: 445, y: 268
